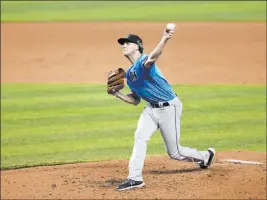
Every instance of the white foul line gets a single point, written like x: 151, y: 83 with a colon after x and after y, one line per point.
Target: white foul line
x: 242, y: 162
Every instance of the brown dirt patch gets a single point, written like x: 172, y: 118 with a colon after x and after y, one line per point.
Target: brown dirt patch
x: 200, y: 53
x: 164, y: 178
x: 84, y: 52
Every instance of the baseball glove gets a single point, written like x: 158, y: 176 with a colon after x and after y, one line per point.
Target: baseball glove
x: 115, y: 80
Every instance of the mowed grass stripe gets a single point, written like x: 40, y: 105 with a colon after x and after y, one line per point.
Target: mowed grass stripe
x: 90, y: 135
x: 96, y: 100
x: 73, y: 155
x: 93, y: 115
x: 133, y: 11
x: 229, y: 116
x: 48, y: 90
x: 123, y: 152
x: 98, y: 154
x: 39, y: 136
x: 68, y: 128
x: 69, y: 145
x: 112, y: 120
x: 89, y: 112
x: 93, y: 121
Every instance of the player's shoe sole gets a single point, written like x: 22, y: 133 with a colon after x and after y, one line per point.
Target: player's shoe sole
x: 130, y: 184
x: 210, y: 161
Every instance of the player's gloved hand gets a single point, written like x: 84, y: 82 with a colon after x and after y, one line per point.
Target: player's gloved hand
x: 115, y: 81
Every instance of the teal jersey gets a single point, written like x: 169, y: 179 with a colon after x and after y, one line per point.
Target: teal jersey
x: 149, y: 84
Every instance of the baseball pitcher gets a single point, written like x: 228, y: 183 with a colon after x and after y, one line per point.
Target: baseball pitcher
x: 163, y: 109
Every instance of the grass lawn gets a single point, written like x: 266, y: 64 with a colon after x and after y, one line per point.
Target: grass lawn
x: 61, y: 123
x: 133, y: 11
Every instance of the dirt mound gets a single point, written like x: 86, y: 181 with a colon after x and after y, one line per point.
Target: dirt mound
x: 164, y: 178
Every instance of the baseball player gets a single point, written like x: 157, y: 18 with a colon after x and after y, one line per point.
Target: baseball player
x: 162, y: 111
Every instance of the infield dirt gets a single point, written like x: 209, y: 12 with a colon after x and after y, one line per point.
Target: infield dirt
x: 199, y: 53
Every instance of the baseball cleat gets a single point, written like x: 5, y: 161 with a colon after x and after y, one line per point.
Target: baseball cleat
x: 129, y: 184
x: 210, y: 161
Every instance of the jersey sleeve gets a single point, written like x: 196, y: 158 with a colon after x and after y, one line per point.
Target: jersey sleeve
x: 143, y: 60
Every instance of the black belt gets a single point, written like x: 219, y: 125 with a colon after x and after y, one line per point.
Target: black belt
x: 159, y: 105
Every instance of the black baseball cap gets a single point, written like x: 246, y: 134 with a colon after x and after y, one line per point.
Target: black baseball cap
x: 133, y: 39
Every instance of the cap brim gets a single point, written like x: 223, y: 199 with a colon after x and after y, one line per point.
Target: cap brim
x: 123, y: 40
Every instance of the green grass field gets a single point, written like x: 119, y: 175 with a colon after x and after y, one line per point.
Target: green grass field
x: 43, y: 124
x: 133, y: 11
x: 62, y: 123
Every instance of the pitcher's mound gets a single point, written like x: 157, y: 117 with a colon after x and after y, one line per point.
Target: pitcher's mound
x: 164, y: 178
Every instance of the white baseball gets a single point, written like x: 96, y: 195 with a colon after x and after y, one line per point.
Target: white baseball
x: 170, y: 26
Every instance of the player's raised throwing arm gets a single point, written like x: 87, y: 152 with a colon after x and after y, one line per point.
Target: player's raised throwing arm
x: 155, y: 54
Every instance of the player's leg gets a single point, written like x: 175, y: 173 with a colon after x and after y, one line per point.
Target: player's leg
x: 145, y: 128
x: 170, y: 130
